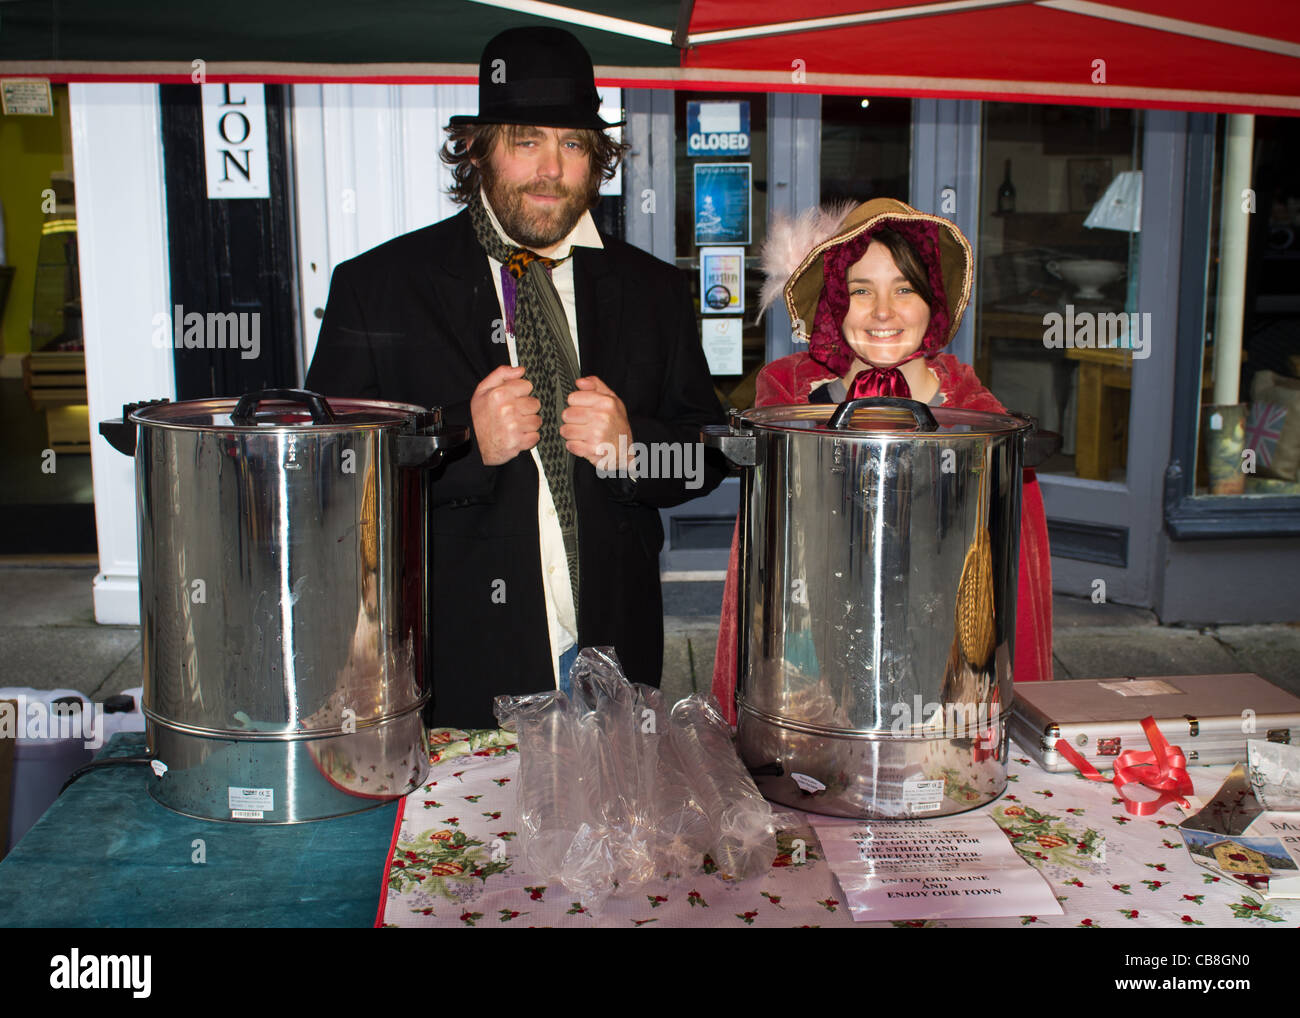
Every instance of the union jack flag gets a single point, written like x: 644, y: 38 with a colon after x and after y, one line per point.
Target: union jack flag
x: 1263, y: 429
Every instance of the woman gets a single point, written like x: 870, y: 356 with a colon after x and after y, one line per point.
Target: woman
x: 884, y: 288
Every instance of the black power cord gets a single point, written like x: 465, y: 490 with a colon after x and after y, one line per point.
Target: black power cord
x: 86, y: 769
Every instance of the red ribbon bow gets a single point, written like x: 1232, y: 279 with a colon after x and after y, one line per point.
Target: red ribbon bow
x: 875, y: 381
x: 880, y: 382
x: 1163, y: 770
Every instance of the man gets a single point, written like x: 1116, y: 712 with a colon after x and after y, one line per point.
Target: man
x: 545, y: 534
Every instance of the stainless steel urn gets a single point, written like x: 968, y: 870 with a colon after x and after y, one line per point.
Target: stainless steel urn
x: 879, y: 544
x: 282, y: 600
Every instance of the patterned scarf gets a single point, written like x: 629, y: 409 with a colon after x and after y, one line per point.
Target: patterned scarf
x: 545, y: 348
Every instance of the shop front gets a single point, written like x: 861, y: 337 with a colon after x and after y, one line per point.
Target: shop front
x: 1135, y: 246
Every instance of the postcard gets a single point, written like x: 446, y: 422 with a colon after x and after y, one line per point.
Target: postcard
x: 1266, y: 865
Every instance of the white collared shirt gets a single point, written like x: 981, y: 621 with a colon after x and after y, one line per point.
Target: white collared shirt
x: 561, y: 613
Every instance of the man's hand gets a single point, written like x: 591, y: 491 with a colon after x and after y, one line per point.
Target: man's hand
x: 593, y: 423
x: 506, y: 417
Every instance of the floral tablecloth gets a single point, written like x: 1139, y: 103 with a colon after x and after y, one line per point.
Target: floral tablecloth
x: 454, y: 851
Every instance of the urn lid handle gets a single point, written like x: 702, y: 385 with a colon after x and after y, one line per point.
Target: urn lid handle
x: 843, y: 415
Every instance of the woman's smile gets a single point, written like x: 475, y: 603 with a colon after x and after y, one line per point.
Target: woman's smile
x: 887, y: 319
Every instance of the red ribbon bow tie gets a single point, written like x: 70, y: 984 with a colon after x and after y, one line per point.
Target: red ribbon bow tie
x: 874, y: 381
x: 880, y: 382
x: 1163, y: 770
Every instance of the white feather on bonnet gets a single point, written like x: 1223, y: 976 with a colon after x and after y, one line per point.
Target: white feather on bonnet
x: 789, y: 239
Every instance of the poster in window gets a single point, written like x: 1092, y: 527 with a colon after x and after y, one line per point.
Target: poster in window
x: 722, y: 203
x: 722, y: 280
x: 722, y: 339
x: 717, y: 128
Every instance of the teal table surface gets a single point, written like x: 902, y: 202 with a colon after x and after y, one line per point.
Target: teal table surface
x: 106, y: 855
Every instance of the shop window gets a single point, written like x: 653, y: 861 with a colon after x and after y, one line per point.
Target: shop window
x: 1249, y: 421
x: 866, y: 148
x: 1057, y: 323
x: 46, y: 496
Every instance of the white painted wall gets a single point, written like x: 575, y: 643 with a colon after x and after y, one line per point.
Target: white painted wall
x: 122, y: 249
x: 367, y: 170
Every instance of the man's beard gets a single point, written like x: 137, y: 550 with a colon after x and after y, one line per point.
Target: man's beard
x: 530, y: 225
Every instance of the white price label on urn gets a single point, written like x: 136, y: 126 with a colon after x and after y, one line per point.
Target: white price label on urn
x: 807, y: 784
x: 256, y: 799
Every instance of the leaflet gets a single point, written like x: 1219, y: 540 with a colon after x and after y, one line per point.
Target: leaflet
x: 954, y: 868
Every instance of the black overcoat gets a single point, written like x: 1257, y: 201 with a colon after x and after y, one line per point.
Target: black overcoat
x: 414, y: 320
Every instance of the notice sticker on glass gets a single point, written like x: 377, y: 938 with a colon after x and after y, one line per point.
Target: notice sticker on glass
x: 722, y: 280
x: 717, y: 128
x: 26, y: 97
x: 722, y: 193
x: 721, y: 338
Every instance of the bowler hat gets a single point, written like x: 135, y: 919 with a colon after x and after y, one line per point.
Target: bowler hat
x: 537, y: 76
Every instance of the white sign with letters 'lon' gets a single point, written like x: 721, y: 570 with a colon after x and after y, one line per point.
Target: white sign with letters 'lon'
x: 235, y: 141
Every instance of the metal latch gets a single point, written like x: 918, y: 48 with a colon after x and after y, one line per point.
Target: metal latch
x: 1282, y: 735
x: 1108, y: 747
x: 1193, y: 726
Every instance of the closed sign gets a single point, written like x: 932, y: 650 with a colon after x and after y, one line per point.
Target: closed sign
x: 717, y: 128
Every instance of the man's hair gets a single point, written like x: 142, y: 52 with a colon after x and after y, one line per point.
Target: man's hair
x: 468, y: 143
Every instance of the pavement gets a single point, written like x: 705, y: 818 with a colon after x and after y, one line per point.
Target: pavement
x: 49, y: 638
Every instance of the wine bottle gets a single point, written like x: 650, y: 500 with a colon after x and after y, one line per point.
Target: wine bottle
x: 1007, y: 194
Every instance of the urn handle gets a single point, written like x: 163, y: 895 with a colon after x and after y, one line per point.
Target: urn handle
x: 245, y: 412
x: 429, y: 441
x: 735, y: 440
x: 1039, y: 445
x: 844, y: 412
x: 121, y: 431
